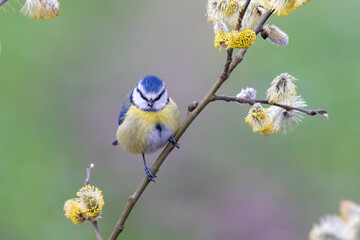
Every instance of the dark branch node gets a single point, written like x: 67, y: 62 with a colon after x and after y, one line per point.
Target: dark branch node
x: 264, y: 34
x: 192, y: 106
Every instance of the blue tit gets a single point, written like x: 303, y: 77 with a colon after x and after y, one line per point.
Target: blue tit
x: 148, y: 119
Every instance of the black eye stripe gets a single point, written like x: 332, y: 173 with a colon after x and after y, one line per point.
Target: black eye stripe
x: 141, y: 95
x: 158, y: 97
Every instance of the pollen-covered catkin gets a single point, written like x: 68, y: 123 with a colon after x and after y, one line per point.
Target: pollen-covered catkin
x: 87, y: 207
x: 301, y: 2
x: 242, y: 39
x: 259, y: 120
x: 284, y: 7
x: 91, y: 201
x: 73, y: 211
x: 41, y: 9
x: 223, y: 11
x: 281, y: 7
x: 221, y: 35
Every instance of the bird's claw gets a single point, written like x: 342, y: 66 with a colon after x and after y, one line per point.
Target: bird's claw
x: 149, y: 174
x: 173, y: 141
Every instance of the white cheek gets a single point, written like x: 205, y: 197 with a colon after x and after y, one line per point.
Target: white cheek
x: 161, y: 103
x: 139, y: 101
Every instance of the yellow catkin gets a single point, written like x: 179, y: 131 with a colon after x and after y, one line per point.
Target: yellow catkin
x: 281, y: 7
x: 45, y: 9
x: 223, y: 10
x: 49, y: 9
x: 301, y: 2
x: 73, y: 211
x: 91, y: 201
x: 242, y: 39
x: 231, y: 8
x: 221, y: 38
x: 259, y: 120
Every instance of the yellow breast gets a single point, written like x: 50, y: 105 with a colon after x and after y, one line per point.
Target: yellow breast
x: 140, y: 131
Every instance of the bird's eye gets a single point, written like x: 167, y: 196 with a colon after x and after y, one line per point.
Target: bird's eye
x: 158, y: 97
x: 142, y: 95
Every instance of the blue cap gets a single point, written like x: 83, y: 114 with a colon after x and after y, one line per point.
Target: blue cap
x: 152, y: 83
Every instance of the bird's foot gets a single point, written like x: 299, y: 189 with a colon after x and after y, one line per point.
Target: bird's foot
x: 149, y: 174
x: 173, y: 141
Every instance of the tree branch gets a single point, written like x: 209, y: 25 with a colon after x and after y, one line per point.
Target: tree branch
x: 224, y: 75
x: 253, y: 101
x: 88, y: 173
x: 229, y: 52
x: 2, y: 2
x: 239, y: 56
x: 97, y: 232
x: 241, y: 15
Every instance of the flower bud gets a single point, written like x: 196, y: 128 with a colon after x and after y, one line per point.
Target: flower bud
x: 248, y: 93
x: 275, y: 35
x: 282, y: 90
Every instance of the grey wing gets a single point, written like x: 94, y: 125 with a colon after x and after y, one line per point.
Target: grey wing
x: 125, y: 107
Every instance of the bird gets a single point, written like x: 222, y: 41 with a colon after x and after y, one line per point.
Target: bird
x: 148, y: 119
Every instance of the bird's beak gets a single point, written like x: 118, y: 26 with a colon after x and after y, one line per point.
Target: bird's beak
x: 150, y: 103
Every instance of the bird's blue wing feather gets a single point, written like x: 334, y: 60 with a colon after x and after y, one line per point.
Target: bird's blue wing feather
x: 125, y: 108
x: 122, y: 115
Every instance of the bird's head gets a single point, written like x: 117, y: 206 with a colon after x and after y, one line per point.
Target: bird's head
x: 150, y: 94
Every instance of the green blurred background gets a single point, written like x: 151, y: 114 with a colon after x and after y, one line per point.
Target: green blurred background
x: 61, y: 89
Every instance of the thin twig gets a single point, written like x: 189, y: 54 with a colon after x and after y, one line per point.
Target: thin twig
x: 88, y: 173
x: 2, y: 2
x: 97, y: 232
x: 253, y: 101
x: 239, y: 56
x: 224, y: 75
x: 241, y: 15
x: 87, y: 182
x: 263, y: 20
